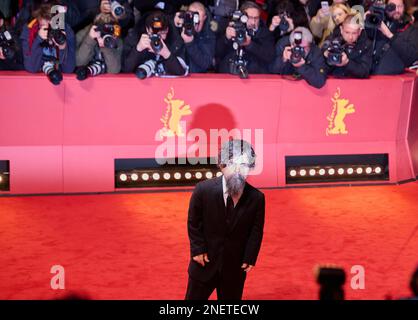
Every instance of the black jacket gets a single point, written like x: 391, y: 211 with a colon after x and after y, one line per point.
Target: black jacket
x: 133, y: 58
x: 259, y: 54
x: 360, y: 58
x: 387, y: 55
x: 313, y: 71
x: 228, y: 245
x: 199, y: 53
x: 17, y: 62
x: 405, y: 44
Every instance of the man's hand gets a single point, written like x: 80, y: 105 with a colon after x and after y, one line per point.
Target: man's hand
x: 144, y: 43
x: 247, y: 267
x: 201, y: 259
x: 287, y: 52
x: 385, y: 30
x: 344, y: 60
x: 165, y: 52
x: 247, y: 41
x: 94, y: 34
x: 299, y: 64
x: 274, y: 23
x: 2, y: 57
x: 230, y: 33
x: 186, y: 38
x: 105, y: 6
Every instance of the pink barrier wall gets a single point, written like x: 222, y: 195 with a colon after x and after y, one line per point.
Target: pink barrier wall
x: 65, y: 139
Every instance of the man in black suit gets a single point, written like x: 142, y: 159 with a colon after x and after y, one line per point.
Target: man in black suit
x: 225, y: 227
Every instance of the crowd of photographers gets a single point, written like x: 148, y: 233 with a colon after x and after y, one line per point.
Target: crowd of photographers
x: 306, y: 39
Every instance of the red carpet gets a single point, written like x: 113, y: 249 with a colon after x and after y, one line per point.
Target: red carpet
x: 135, y: 246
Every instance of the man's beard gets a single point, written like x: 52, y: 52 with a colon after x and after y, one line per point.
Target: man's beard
x: 235, y: 184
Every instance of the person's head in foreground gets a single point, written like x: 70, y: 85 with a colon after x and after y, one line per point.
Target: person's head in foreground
x: 236, y: 159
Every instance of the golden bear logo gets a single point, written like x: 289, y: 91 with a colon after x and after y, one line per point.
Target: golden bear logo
x: 340, y: 109
x: 173, y: 115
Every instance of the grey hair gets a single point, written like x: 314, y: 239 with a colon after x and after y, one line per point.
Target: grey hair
x: 235, y: 148
x: 306, y: 35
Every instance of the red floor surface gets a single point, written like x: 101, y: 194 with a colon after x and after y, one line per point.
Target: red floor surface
x: 135, y: 246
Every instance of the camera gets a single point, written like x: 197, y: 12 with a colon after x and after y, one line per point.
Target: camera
x: 297, y: 52
x: 335, y: 52
x: 191, y: 20
x: 52, y: 71
x: 7, y: 44
x: 157, y: 26
x: 110, y: 34
x: 238, y: 66
x: 57, y: 35
x: 239, y: 23
x: 283, y: 25
x: 146, y: 70
x: 336, y: 48
x: 378, y: 14
x: 117, y: 9
x: 93, y: 69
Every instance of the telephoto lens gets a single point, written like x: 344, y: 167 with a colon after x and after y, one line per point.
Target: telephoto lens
x: 53, y: 74
x: 146, y: 70
x: 117, y: 9
x: 92, y: 70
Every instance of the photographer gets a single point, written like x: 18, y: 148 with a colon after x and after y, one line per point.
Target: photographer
x: 46, y: 48
x: 99, y: 45
x: 286, y: 19
x: 349, y: 52
x: 25, y: 15
x: 10, y: 53
x: 199, y: 39
x: 257, y: 42
x: 298, y: 55
x: 121, y: 10
x: 157, y: 44
x: 385, y: 26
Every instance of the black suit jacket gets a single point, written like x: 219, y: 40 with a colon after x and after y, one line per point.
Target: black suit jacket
x: 228, y: 245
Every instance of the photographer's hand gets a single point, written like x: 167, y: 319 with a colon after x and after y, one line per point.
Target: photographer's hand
x: 291, y: 24
x: 344, y: 60
x: 186, y: 38
x: 230, y: 33
x: 2, y: 57
x: 165, y: 52
x: 299, y: 64
x: 274, y: 23
x: 144, y: 43
x: 385, y: 30
x: 287, y: 52
x: 93, y: 33
x: 247, y: 41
